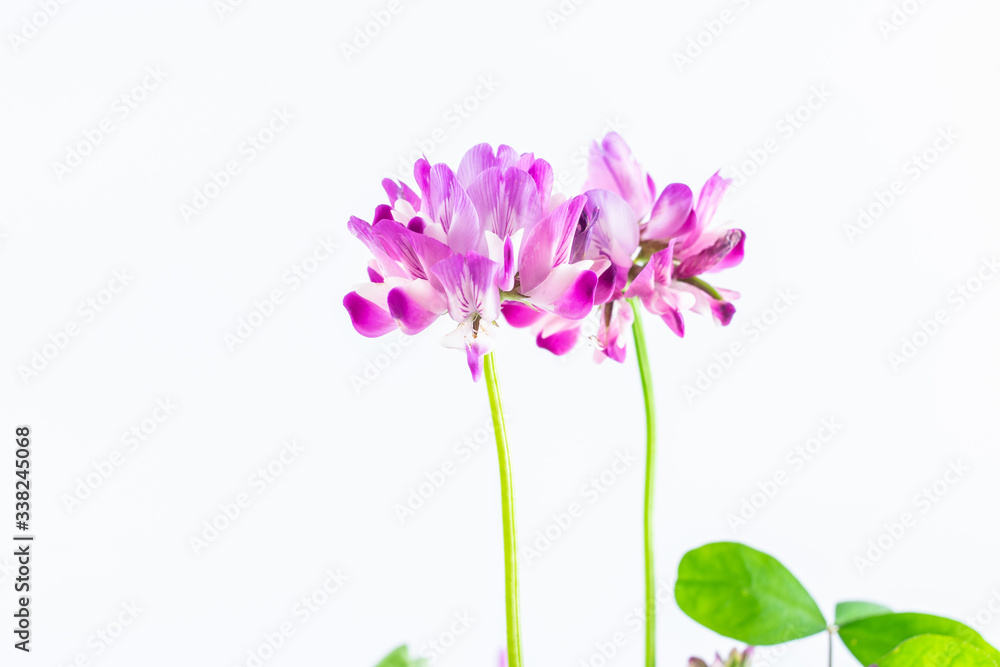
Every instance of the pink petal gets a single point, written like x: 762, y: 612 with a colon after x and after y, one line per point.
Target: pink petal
x: 548, y: 243
x: 609, y: 284
x: 577, y: 302
x: 415, y: 306
x: 422, y: 175
x: 559, y: 343
x: 479, y: 158
x: 397, y: 190
x: 719, y: 247
x: 583, y: 235
x: 471, y: 285
x: 519, y: 314
x: 506, y: 157
x: 541, y: 172
x: 505, y: 201
x: 674, y: 320
x: 657, y: 272
x: 476, y: 160
x: 722, y: 311
x: 509, y: 265
x: 364, y: 233
x: 708, y: 201
x: 705, y: 304
x: 672, y: 213
x: 451, y: 207
x: 733, y: 258
x: 417, y: 225
x: 475, y: 350
x: 416, y: 253
x: 710, y: 197
x: 616, y: 320
x: 613, y: 168
x: 368, y: 319
x: 616, y: 229
x: 524, y: 161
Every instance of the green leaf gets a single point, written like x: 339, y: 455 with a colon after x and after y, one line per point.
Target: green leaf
x: 871, y: 638
x: 935, y: 651
x: 746, y: 595
x: 855, y: 611
x: 401, y: 658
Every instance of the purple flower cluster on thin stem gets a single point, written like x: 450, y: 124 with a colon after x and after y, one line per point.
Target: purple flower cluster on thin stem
x: 491, y: 238
x: 490, y: 232
x: 658, y: 248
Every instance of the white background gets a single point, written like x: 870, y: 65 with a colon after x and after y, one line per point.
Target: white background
x: 557, y: 85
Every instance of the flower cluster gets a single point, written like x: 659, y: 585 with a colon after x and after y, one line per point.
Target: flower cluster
x: 735, y: 659
x: 658, y: 247
x: 491, y: 237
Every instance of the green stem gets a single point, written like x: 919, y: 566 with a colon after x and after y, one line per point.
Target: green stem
x: 507, y: 498
x: 705, y: 287
x: 647, y: 393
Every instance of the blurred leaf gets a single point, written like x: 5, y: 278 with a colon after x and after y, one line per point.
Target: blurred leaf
x: 871, y: 638
x: 855, y: 611
x: 746, y: 595
x: 935, y: 651
x: 401, y: 658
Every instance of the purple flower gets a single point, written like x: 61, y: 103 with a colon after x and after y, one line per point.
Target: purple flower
x: 472, y: 238
x: 659, y: 292
x: 473, y: 301
x: 696, y: 248
x: 615, y: 324
x: 613, y: 168
x: 556, y: 334
x: 548, y: 275
x: 651, y: 248
x: 491, y: 237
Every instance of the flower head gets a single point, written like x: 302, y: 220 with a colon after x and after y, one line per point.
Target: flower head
x: 490, y: 237
x: 612, y: 167
x: 473, y: 237
x: 654, y: 249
